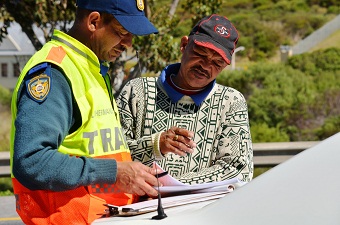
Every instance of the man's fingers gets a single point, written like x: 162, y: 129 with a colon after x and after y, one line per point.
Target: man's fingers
x: 182, y: 132
x: 150, y: 177
x: 136, y: 178
x: 150, y: 170
x: 150, y: 190
x: 184, y: 144
x: 140, y: 191
x: 178, y: 151
x: 145, y: 185
x: 150, y: 181
x: 178, y: 141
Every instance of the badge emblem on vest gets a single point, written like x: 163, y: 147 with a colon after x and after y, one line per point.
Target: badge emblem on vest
x: 140, y: 4
x: 39, y: 87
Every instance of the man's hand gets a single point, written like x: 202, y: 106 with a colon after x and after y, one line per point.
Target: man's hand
x: 136, y: 178
x: 177, y: 140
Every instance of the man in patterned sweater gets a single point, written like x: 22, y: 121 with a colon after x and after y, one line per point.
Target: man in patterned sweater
x: 196, y: 129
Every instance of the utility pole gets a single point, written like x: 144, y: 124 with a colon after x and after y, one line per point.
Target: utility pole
x: 241, y: 48
x: 146, y: 8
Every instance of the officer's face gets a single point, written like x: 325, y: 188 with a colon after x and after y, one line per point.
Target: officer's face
x: 110, y: 40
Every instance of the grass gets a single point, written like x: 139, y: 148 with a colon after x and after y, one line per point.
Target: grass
x: 331, y: 41
x: 5, y: 121
x: 5, y: 128
x: 260, y: 170
x: 6, y: 188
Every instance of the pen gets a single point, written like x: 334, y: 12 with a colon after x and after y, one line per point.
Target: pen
x: 161, y: 174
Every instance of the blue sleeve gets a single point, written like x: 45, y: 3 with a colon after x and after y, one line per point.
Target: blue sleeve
x: 40, y: 129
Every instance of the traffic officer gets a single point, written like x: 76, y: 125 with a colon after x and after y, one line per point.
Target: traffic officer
x: 69, y: 156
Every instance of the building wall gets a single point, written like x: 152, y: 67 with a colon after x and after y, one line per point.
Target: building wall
x: 10, y: 80
x: 15, y: 48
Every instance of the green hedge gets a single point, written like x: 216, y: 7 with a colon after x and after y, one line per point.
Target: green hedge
x: 298, y: 101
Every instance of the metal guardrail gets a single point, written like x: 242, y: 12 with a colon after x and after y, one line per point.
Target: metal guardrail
x: 265, y: 154
x: 5, y: 170
x: 273, y: 153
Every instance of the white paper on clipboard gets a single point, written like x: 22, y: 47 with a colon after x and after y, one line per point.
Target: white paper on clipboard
x: 172, y: 185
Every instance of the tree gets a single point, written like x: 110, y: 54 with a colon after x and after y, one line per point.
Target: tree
x: 6, y: 19
x: 155, y: 51
x: 293, y: 101
x: 201, y: 8
x: 44, y: 14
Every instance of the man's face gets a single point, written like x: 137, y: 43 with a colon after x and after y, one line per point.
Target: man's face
x: 110, y: 40
x: 199, y: 66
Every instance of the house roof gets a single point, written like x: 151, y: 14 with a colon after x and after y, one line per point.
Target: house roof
x: 16, y: 42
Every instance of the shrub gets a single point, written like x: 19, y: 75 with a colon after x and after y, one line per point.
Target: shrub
x: 5, y: 96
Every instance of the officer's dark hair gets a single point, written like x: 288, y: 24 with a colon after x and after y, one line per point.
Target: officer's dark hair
x: 83, y: 13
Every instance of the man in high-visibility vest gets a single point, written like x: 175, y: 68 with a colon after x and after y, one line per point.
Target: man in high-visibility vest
x: 69, y: 156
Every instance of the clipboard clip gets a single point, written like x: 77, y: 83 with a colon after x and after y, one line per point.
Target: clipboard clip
x: 119, y: 211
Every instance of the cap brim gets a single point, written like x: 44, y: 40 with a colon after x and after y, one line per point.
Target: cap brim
x: 207, y: 42
x: 137, y: 25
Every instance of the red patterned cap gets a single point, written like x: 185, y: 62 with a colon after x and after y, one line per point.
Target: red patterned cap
x: 217, y: 33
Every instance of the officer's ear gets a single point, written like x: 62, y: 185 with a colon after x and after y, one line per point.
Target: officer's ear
x: 184, y: 42
x: 93, y: 21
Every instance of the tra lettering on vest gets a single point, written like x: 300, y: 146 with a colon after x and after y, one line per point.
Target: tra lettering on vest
x: 107, y: 140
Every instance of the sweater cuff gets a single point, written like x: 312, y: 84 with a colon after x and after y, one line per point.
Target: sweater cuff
x: 156, y: 149
x: 105, y: 170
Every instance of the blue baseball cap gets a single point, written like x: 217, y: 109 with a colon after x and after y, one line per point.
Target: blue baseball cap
x: 129, y: 13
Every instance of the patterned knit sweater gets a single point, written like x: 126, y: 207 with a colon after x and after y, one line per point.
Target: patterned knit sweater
x: 220, y: 123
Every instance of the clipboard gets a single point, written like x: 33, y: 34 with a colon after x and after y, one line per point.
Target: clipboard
x: 167, y: 202
x: 175, y: 193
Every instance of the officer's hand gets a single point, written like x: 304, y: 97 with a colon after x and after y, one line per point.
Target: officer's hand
x: 177, y: 140
x: 136, y: 178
